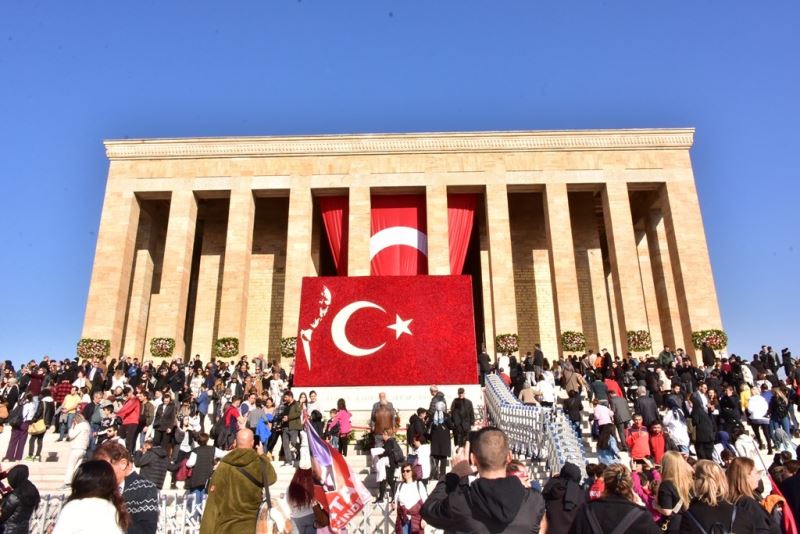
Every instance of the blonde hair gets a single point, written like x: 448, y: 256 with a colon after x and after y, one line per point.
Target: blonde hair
x: 617, y: 481
x: 738, y: 476
x: 710, y: 484
x: 676, y: 469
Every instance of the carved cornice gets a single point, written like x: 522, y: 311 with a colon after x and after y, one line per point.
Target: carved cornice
x: 413, y: 143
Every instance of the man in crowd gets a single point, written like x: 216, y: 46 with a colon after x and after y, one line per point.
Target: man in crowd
x: 235, y: 490
x: 494, y: 502
x: 140, y: 495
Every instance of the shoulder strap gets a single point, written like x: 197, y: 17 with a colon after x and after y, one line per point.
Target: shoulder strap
x: 265, y: 481
x: 697, y: 523
x: 627, y: 521
x: 249, y: 477
x: 593, y: 523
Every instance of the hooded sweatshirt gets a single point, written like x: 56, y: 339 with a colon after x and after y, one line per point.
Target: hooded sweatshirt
x: 233, y: 498
x: 563, y: 497
x: 485, y: 506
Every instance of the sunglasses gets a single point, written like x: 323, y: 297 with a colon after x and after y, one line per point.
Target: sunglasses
x: 406, y: 470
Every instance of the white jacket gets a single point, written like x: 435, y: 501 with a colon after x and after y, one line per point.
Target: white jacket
x: 87, y: 516
x: 79, y: 436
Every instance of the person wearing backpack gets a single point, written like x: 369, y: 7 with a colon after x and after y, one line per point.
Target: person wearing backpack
x: 710, y: 511
x: 392, y: 452
x: 408, y: 500
x: 617, y: 512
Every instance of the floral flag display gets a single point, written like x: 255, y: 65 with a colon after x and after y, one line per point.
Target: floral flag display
x: 339, y: 491
x: 388, y: 330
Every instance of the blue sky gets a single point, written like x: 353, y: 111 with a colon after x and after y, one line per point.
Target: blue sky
x: 75, y: 73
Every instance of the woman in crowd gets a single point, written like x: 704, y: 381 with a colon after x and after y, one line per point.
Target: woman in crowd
x: 779, y: 411
x: 408, y: 500
x: 342, y: 419
x: 19, y: 505
x: 675, y: 426
x: 421, y: 449
x: 201, y: 462
x: 79, y: 436
x: 440, y: 440
x: 95, y: 502
x: 19, y: 429
x: 617, y: 509
x: 607, y: 450
x: 44, y: 412
x: 675, y: 491
x: 300, y: 498
x: 711, y: 508
x: 563, y: 497
x: 743, y: 479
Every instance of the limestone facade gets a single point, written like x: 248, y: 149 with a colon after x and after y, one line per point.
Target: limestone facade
x: 593, y: 231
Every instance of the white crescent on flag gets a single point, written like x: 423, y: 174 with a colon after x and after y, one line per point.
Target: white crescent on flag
x: 398, y: 235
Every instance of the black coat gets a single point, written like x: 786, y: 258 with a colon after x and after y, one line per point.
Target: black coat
x: 19, y: 505
x: 153, y: 465
x: 609, y: 512
x: 463, y: 414
x: 704, y: 427
x: 483, y: 507
x: 440, y: 438
x: 416, y: 427
x: 646, y: 406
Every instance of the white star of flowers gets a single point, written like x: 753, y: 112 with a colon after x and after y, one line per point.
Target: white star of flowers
x: 400, y: 327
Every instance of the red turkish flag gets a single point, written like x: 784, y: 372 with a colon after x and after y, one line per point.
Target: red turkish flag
x: 399, y: 243
x: 386, y: 330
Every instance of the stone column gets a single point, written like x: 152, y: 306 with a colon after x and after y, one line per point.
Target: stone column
x: 558, y: 227
x: 486, y: 284
x: 498, y: 228
x: 111, y: 275
x: 629, y: 297
x: 438, y: 229
x: 694, y: 281
x: 236, y: 268
x: 359, y: 229
x: 209, y: 279
x: 597, y: 324
x: 298, y: 255
x: 649, y: 290
x: 141, y: 288
x: 168, y: 315
x: 668, y: 308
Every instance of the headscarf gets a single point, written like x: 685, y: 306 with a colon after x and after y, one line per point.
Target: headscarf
x: 23, y: 488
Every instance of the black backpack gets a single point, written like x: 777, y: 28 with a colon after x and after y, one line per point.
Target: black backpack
x: 15, y: 417
x: 716, y: 527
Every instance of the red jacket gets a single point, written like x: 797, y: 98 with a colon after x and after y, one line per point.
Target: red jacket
x: 613, y: 385
x: 638, y: 441
x: 658, y: 445
x: 129, y: 413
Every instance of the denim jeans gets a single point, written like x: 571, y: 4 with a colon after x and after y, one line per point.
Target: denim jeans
x: 64, y: 426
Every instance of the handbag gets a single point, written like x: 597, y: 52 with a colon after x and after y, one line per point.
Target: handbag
x: 321, y: 518
x: 184, y: 472
x: 37, y: 428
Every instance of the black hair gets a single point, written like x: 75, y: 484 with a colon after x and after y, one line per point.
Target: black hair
x: 96, y: 478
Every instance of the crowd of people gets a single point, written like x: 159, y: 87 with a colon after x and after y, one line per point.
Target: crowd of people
x: 678, y: 445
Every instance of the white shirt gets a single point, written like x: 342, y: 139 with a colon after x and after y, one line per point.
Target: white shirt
x: 757, y: 408
x: 547, y: 390
x: 73, y: 518
x: 424, y: 458
x: 410, y: 493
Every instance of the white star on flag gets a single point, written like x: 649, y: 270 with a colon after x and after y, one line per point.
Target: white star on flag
x: 400, y: 327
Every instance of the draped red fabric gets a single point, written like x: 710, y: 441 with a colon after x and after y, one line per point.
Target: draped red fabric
x: 334, y: 216
x: 398, y: 245
x: 460, y: 218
